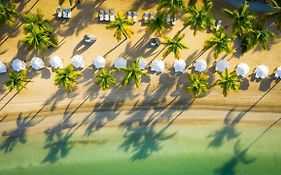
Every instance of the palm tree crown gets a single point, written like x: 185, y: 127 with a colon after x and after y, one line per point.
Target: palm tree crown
x: 175, y: 45
x: 36, y: 20
x: 8, y: 14
x: 17, y: 80
x: 243, y: 19
x: 173, y: 6
x: 200, y: 19
x: 67, y: 77
x: 158, y: 24
x: 121, y: 25
x: 220, y: 42
x: 105, y: 78
x: 198, y: 84
x: 276, y: 15
x: 228, y: 82
x: 134, y: 73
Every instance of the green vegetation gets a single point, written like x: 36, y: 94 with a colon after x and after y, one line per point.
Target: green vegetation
x: 134, y: 73
x: 121, y: 25
x: 17, y: 80
x: 198, y: 84
x: 174, y: 45
x: 105, y: 78
x: 220, y: 42
x: 8, y: 14
x: 228, y: 82
x: 172, y: 6
x: 199, y: 19
x: 158, y: 24
x: 67, y: 77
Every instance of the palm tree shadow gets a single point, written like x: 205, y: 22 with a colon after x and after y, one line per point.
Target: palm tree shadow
x: 18, y: 135
x: 228, y: 131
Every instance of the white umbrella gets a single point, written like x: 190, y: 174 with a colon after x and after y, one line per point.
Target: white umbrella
x: 200, y: 65
x: 242, y: 69
x: 179, y: 65
x: 278, y: 72
x: 56, y: 62
x: 78, y: 61
x: 99, y: 62
x: 120, y: 63
x: 158, y: 66
x: 18, y: 65
x: 142, y: 63
x: 261, y: 71
x: 221, y: 65
x: 3, y: 67
x: 37, y: 63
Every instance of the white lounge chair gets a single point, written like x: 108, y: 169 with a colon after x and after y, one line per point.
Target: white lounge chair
x: 69, y: 14
x: 174, y: 20
x: 111, y: 15
x: 218, y: 25
x: 59, y: 12
x: 145, y: 17
x: 101, y: 15
x: 64, y: 13
x: 168, y: 18
x: 151, y: 16
x: 129, y: 15
x: 135, y: 17
x: 106, y: 15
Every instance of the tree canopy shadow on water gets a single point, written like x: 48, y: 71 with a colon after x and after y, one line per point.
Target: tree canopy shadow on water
x: 18, y: 135
x: 240, y: 155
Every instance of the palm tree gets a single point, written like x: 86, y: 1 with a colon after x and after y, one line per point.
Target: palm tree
x: 36, y: 20
x: 67, y: 77
x: 121, y: 25
x: 243, y: 19
x: 259, y: 36
x: 158, y: 24
x: 200, y: 19
x: 105, y: 78
x: 8, y: 14
x: 39, y: 40
x: 134, y: 73
x: 220, y: 42
x: 198, y: 84
x: 228, y: 82
x: 172, y: 6
x: 175, y: 45
x: 17, y: 81
x: 276, y: 15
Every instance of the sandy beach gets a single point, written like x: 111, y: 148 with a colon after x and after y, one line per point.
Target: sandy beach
x: 167, y: 89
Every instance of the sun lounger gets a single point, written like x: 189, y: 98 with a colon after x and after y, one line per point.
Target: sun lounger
x: 218, y: 25
x: 111, y: 15
x: 174, y: 20
x: 64, y: 13
x: 145, y: 17
x: 168, y: 19
x: 106, y: 15
x: 135, y: 17
x: 151, y: 16
x: 59, y: 12
x: 69, y: 14
x: 101, y: 15
x: 129, y: 15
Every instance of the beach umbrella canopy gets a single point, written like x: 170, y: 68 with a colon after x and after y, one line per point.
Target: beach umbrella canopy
x: 37, y: 63
x: 120, y: 63
x: 18, y: 65
x: 261, y: 71
x: 179, y: 65
x: 278, y: 72
x: 158, y: 66
x: 142, y: 63
x: 222, y: 65
x: 242, y: 69
x: 99, y: 62
x: 200, y: 65
x: 3, y: 67
x: 56, y: 62
x: 78, y: 61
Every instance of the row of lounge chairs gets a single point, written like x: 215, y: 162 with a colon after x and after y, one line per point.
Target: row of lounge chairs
x: 64, y: 13
x: 106, y: 15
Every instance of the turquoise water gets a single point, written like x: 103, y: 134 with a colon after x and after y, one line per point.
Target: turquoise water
x: 177, y: 149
